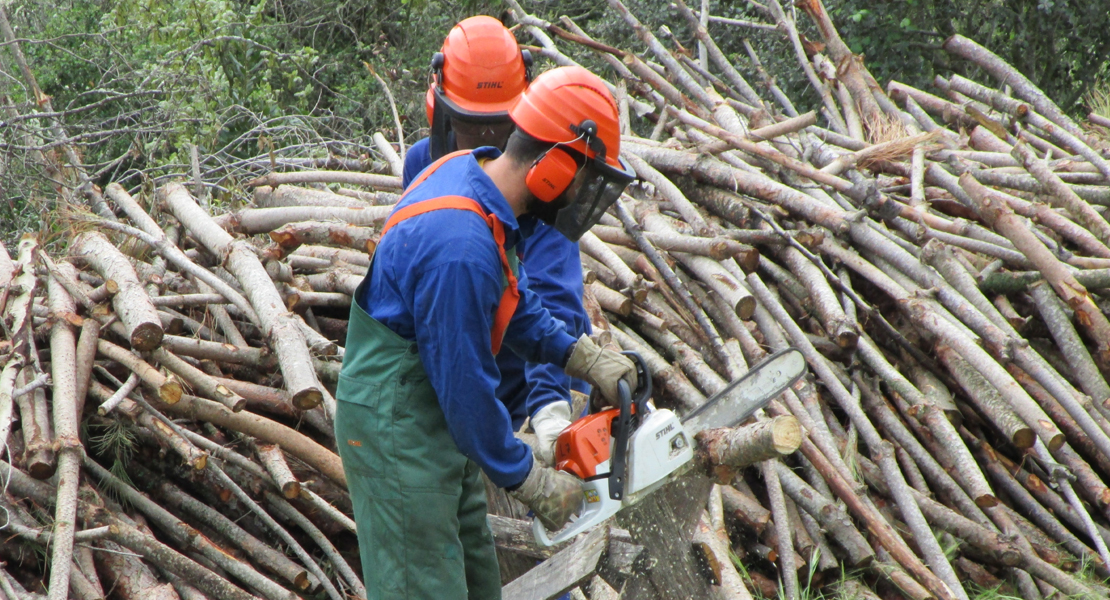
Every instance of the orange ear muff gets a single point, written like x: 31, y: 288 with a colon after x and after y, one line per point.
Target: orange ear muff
x: 551, y: 174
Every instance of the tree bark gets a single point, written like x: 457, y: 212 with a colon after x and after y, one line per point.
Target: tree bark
x: 999, y: 215
x: 1023, y: 88
x: 128, y: 536
x: 38, y: 436
x: 744, y: 446
x: 294, y: 235
x: 63, y: 371
x: 262, y: 554
x: 831, y: 516
x: 86, y: 354
x: 131, y: 303
x: 290, y: 195
x: 168, y: 389
x: 200, y: 381
x: 1071, y: 346
x: 290, y: 440
x: 345, y: 177
x: 279, y: 328
x: 271, y: 457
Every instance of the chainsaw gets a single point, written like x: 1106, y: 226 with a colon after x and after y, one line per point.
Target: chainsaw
x: 623, y: 454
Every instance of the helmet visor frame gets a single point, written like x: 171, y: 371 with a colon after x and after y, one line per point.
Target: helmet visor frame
x: 445, y: 111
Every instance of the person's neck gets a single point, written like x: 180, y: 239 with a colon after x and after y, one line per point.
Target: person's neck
x: 509, y: 179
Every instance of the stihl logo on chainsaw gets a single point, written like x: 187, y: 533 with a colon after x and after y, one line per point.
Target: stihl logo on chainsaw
x: 489, y: 85
x: 664, y: 432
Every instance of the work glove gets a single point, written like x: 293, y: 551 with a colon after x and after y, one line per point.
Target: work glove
x: 553, y: 496
x: 548, y: 423
x: 601, y: 368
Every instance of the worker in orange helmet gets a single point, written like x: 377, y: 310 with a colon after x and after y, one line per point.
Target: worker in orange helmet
x: 417, y: 413
x: 478, y: 75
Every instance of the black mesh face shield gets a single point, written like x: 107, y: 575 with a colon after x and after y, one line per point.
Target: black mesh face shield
x: 602, y: 185
x: 449, y: 121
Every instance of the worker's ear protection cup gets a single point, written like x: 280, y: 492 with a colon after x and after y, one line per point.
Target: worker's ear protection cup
x: 437, y: 121
x: 551, y: 174
x: 526, y: 56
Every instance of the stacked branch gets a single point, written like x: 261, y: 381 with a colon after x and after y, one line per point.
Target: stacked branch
x: 939, y: 256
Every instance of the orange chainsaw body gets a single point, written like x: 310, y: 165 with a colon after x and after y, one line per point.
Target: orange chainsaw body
x: 584, y: 445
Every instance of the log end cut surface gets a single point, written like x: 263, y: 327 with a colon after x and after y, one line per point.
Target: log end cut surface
x: 307, y: 398
x: 146, y: 337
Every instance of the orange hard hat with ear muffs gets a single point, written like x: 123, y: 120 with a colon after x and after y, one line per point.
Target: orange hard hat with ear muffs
x: 572, y: 108
x: 478, y: 76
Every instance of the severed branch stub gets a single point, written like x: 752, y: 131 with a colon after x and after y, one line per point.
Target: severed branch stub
x: 736, y: 448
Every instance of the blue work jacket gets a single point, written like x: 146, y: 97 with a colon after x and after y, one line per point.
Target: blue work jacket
x: 437, y: 280
x: 552, y: 269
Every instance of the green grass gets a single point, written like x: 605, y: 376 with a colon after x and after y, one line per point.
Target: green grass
x: 1098, y: 99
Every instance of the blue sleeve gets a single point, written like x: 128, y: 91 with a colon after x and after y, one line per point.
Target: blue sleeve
x: 417, y: 158
x: 455, y: 301
x: 555, y: 275
x: 534, y: 335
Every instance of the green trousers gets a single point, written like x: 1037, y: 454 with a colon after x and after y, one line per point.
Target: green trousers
x: 420, y: 505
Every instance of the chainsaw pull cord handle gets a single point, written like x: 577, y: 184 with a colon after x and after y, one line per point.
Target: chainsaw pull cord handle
x: 619, y: 463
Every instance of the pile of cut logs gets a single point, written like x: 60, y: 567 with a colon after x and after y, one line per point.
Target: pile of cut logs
x: 942, y: 260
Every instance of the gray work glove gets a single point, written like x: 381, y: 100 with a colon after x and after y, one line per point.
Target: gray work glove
x: 601, y: 368
x: 548, y: 423
x: 553, y: 496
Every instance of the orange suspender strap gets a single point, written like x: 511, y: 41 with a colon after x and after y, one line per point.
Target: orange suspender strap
x: 511, y: 296
x: 428, y: 170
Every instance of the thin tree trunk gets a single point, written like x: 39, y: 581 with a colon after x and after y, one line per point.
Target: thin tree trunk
x: 290, y: 440
x: 168, y: 389
x: 131, y: 303
x: 200, y: 381
x: 86, y: 354
x: 999, y: 215
x: 63, y: 371
x: 265, y: 220
x: 277, y: 326
x: 744, y: 446
x: 831, y: 516
x: 346, y: 177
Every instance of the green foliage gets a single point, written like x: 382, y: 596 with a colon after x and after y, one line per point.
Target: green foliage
x: 114, y: 439
x: 1061, y: 45
x: 247, y: 81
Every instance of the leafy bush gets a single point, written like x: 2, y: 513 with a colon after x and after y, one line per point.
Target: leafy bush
x: 247, y: 81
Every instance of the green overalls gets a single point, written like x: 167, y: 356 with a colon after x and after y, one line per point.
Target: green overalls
x: 420, y: 505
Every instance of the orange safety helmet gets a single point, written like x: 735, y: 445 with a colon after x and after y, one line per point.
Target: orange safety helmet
x: 572, y: 108
x: 478, y: 76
